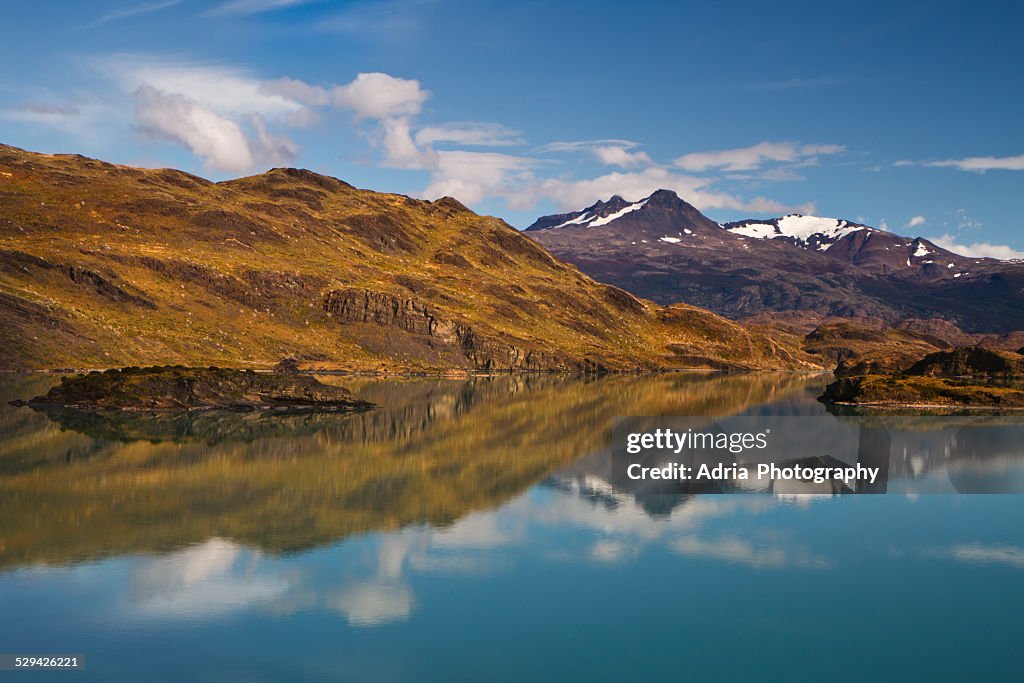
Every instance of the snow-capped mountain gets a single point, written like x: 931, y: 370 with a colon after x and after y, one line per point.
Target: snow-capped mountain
x: 596, y: 215
x: 663, y: 248
x: 868, y: 247
x: 663, y: 210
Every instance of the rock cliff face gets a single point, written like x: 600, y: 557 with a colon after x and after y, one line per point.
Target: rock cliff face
x: 108, y: 266
x: 969, y: 362
x: 478, y: 351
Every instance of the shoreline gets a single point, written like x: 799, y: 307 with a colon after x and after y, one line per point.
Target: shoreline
x: 925, y: 406
x: 440, y: 374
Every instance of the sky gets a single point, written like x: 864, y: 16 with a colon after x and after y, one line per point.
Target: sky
x: 902, y: 115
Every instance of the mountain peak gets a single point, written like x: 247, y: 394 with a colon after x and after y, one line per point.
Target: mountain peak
x: 664, y: 195
x: 662, y: 210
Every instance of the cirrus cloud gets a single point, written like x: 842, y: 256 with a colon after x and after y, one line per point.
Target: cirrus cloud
x: 610, y: 152
x: 982, y: 164
x: 753, y: 157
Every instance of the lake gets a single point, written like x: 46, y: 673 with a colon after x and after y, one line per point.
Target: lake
x: 467, y: 531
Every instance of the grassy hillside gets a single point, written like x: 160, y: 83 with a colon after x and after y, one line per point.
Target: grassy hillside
x: 104, y: 265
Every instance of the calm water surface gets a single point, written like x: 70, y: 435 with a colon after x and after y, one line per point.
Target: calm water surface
x: 465, y: 531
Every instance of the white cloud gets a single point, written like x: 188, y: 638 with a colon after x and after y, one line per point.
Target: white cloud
x: 739, y: 551
x: 392, y: 102
x: 977, y: 249
x: 380, y: 96
x: 270, y: 149
x: 915, y: 222
x: 386, y: 597
x: 471, y: 177
x: 585, y: 145
x: 202, y: 581
x: 220, y: 142
x: 34, y: 112
x: 620, y: 156
x: 231, y: 120
x: 777, y: 174
x: 218, y: 112
x: 610, y: 152
x: 226, y: 90
x: 635, y: 185
x: 244, y: 7
x: 470, y: 133
x: 373, y: 603
x: 394, y: 136
x: 1006, y: 555
x: 393, y: 21
x: 296, y: 90
x: 981, y: 164
x: 751, y: 158
x: 132, y: 11
x: 610, y: 551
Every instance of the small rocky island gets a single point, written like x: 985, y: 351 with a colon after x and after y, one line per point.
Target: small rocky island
x: 177, y: 389
x: 967, y: 377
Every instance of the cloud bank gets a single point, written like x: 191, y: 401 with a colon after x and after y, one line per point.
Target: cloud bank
x: 977, y: 249
x: 236, y: 122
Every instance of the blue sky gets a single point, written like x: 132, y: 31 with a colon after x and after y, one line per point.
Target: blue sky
x: 906, y: 114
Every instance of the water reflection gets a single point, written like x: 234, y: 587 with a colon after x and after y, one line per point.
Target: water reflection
x: 435, y: 452
x: 471, y: 530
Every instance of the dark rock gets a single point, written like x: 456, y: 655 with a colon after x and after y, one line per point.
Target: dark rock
x: 969, y: 362
x: 177, y: 388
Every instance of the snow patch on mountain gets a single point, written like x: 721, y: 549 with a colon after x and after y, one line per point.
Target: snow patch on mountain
x: 594, y: 220
x: 619, y: 214
x: 806, y: 231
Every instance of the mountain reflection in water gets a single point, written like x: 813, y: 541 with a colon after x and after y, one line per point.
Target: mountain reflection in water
x: 434, y: 451
x: 76, y: 486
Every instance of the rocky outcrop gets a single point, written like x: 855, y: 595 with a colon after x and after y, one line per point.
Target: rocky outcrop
x: 911, y: 391
x: 177, y: 388
x: 957, y: 377
x: 481, y: 352
x: 365, y: 306
x: 969, y: 362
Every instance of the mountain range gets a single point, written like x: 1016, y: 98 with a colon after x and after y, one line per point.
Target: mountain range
x: 664, y: 249
x: 104, y: 265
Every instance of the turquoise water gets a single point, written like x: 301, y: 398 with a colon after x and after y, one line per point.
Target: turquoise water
x: 466, y: 532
